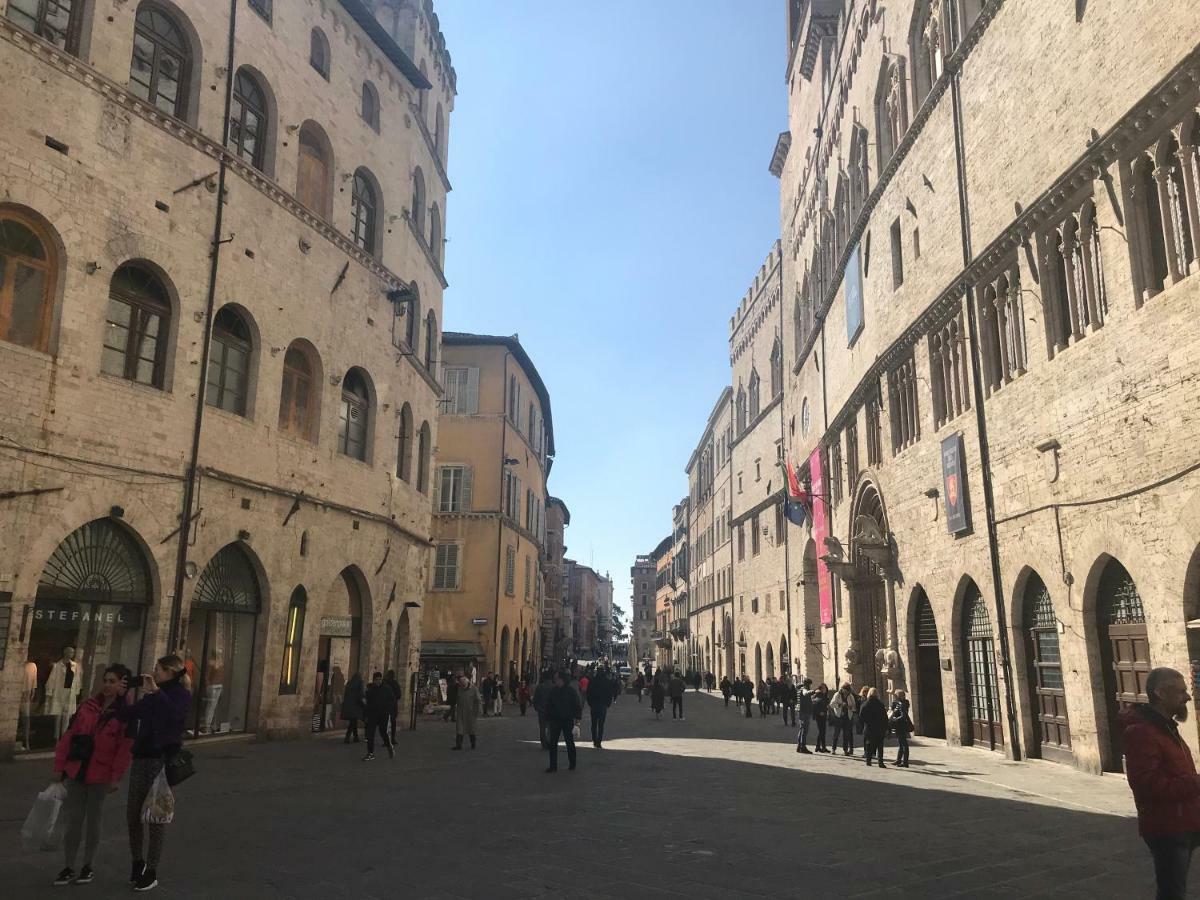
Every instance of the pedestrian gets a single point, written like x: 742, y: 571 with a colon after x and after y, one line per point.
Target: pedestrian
x: 599, y: 698
x: 658, y: 695
x: 820, y: 714
x: 451, y: 695
x: 379, y: 703
x: 774, y: 695
x: 393, y: 685
x: 499, y: 695
x: 788, y: 695
x: 762, y: 699
x: 859, y: 700
x: 748, y: 696
x: 523, y: 696
x: 91, y: 757
x: 514, y: 682
x: 676, y: 689
x: 488, y: 690
x: 874, y: 718
x: 639, y: 685
x: 901, y: 722
x: 540, y: 695
x: 841, y: 710
x: 726, y: 689
x: 804, y: 700
x: 465, y: 712
x: 161, y: 715
x: 1162, y: 776
x: 563, y: 710
x: 696, y: 681
x: 737, y: 690
x: 352, y: 705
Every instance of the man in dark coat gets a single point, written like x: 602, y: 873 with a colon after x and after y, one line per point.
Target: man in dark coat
x: 726, y: 689
x: 380, y: 701
x: 874, y: 717
x: 675, y: 688
x: 563, y: 710
x: 451, y: 696
x: 748, y: 696
x: 487, y: 688
x: 599, y: 698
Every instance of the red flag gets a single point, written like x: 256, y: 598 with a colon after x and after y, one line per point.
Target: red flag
x: 793, y: 482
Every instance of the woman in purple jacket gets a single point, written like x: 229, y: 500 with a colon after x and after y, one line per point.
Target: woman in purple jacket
x: 161, y: 715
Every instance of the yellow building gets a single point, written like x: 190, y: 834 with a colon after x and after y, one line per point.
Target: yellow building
x: 495, y: 449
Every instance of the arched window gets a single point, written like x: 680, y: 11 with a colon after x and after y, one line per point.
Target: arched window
x: 424, y: 447
x: 364, y: 212
x: 1048, y: 699
x: 435, y: 233
x: 776, y: 368
x: 740, y: 409
x: 983, y: 696
x: 248, y: 120
x: 59, y: 22
x: 137, y: 326
x: 439, y: 132
x: 754, y: 394
x: 412, y: 328
x: 229, y: 362
x: 314, y: 174
x: 404, y: 453
x: 289, y: 674
x: 318, y: 52
x: 162, y: 61
x: 28, y: 267
x: 299, y: 393
x: 891, y: 110
x: 370, y: 105
x: 926, y: 49
x: 418, y: 202
x: 860, y: 185
x: 353, y: 426
x: 430, y: 340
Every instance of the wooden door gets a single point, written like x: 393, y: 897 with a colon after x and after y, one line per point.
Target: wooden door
x: 932, y: 713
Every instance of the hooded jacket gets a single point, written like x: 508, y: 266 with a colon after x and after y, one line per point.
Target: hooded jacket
x: 161, y: 718
x: 1161, y: 773
x: 111, y: 747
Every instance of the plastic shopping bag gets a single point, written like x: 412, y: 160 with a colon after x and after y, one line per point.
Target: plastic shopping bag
x: 44, y: 827
x: 159, y: 808
x: 575, y: 733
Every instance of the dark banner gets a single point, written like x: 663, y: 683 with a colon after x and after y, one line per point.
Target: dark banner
x: 954, y: 485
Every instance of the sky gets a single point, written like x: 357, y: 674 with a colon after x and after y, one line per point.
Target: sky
x: 611, y: 206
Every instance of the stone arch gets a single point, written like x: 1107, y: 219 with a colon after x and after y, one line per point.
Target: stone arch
x: 758, y: 663
x: 868, y: 598
x: 925, y: 651
x: 965, y: 629
x: 503, y: 658
x: 1041, y: 689
x: 770, y: 669
x: 350, y: 595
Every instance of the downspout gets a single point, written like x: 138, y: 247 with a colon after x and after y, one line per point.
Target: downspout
x: 174, y: 637
x: 989, y: 502
x: 500, y: 518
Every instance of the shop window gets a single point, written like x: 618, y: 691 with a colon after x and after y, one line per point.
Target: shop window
x: 57, y: 21
x: 28, y: 270
x: 248, y: 118
x: 355, y: 420
x: 364, y: 212
x: 318, y: 53
x: 300, y: 392
x: 162, y: 61
x: 137, y: 326
x: 293, y: 635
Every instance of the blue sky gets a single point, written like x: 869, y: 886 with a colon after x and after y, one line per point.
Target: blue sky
x: 611, y: 206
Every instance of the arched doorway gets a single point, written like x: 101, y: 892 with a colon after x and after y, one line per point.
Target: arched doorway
x: 504, y: 654
x: 758, y: 663
x: 339, y: 645
x: 868, y: 623
x: 224, y: 617
x: 979, y: 656
x: 90, y: 611
x: 770, y: 661
x: 1124, y: 650
x: 785, y: 662
x: 1047, y: 695
x: 730, y: 647
x: 930, y: 709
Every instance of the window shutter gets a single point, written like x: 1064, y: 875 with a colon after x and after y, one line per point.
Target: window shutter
x: 468, y: 478
x: 452, y: 564
x: 471, y: 396
x: 437, y: 489
x: 516, y: 512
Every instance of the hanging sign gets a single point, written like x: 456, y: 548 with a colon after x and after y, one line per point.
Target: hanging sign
x: 954, y: 485
x: 336, y: 626
x: 820, y: 530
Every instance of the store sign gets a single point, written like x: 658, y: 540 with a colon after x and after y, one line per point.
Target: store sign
x: 954, y: 485
x: 854, y: 296
x: 336, y: 626
x: 71, y: 616
x: 820, y: 530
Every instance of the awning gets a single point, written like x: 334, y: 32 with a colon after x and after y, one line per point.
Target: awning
x: 451, y: 649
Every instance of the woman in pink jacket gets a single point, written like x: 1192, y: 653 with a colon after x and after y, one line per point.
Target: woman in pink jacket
x: 91, y: 757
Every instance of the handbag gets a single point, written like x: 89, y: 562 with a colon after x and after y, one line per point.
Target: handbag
x: 179, y: 767
x: 81, y: 748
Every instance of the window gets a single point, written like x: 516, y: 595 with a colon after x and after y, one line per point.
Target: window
x: 461, y: 387
x: 353, y: 425
x: 754, y: 394
x: 835, y: 472
x: 891, y: 110
x: 424, y: 449
x: 417, y: 217
x: 776, y: 368
x: 754, y: 536
x: 852, y: 453
x: 528, y: 575
x: 1001, y: 329
x: 318, y: 53
x: 370, y: 105
x: 780, y: 523
x: 412, y: 328
x: 299, y: 393
x: 874, y: 432
x: 405, y: 442
x: 529, y: 509
x: 57, y: 21
x: 28, y: 268
x: 754, y: 605
x: 902, y: 400
x: 364, y: 212
x: 454, y: 489
x: 741, y: 409
x: 431, y: 340
x: 860, y: 181
x: 439, y: 132
x: 137, y: 327
x: 532, y: 422
x: 1075, y: 297
x: 314, y: 173
x: 161, y: 62
x: 289, y: 673
x: 435, y: 233
x: 925, y: 46
x: 741, y: 541
x: 421, y: 94
x: 228, y: 383
x: 512, y: 496
x: 262, y: 7
x: 510, y: 571
x: 897, y: 256
x: 446, y: 564
x: 248, y: 120
x: 948, y: 371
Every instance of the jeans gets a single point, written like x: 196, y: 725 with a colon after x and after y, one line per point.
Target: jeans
x: 676, y: 704
x: 843, y: 728
x: 380, y: 725
x: 873, y: 746
x: 564, y: 730
x: 902, y: 748
x: 599, y: 714
x: 1172, y: 855
x: 822, y: 723
x: 789, y: 710
x: 141, y: 776
x: 85, y: 802
x: 802, y: 734
x: 726, y: 699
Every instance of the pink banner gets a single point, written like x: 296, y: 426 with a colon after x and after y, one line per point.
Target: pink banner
x: 820, y: 531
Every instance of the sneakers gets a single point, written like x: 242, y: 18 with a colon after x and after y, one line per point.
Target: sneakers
x: 85, y: 875
x: 148, y: 881
x: 66, y: 876
x: 368, y: 757
x: 138, y: 870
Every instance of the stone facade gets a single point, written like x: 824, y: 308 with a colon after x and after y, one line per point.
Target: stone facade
x: 554, y: 629
x: 664, y: 598
x: 306, y: 549
x: 642, y: 624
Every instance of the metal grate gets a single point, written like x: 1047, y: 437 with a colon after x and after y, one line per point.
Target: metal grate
x: 927, y: 635
x: 977, y: 623
x: 98, y: 563
x: 1039, y: 608
x: 1120, y: 602
x: 228, y: 583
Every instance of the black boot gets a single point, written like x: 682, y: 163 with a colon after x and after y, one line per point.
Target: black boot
x: 457, y: 742
x: 472, y: 741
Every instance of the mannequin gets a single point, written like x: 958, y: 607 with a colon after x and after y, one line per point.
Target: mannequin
x: 62, y: 690
x: 214, y: 683
x: 28, y: 694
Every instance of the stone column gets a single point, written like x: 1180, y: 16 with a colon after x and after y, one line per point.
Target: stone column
x: 1162, y: 175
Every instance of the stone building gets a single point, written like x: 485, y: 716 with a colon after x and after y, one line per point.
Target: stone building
x: 642, y: 605
x: 761, y: 611
x: 681, y: 594
x: 664, y: 597
x: 495, y: 450
x: 261, y: 370
x: 990, y: 224
x: 554, y: 630
x: 586, y: 594
x: 604, y: 611
x: 710, y: 620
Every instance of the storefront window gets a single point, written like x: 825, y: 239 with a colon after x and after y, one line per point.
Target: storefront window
x: 89, y: 613
x: 219, y: 652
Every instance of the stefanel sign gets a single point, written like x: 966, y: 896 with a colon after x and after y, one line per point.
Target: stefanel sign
x: 70, y: 616
x: 954, y: 485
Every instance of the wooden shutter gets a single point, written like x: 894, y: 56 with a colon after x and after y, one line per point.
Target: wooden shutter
x: 437, y: 489
x: 467, y: 484
x: 471, y: 396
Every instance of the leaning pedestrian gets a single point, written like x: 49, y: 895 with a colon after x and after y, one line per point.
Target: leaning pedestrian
x: 466, y: 712
x: 820, y: 714
x: 901, y: 723
x: 1162, y: 776
x: 804, y: 700
x: 91, y: 757
x: 563, y: 710
x: 874, y: 718
x: 161, y: 715
x: 352, y: 705
x: 393, y: 685
x: 379, y: 703
x: 676, y: 689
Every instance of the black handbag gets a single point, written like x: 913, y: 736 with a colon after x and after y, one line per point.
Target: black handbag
x: 81, y: 748
x: 180, y: 767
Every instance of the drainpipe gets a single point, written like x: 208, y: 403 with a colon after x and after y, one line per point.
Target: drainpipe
x: 174, y: 638
x: 985, y: 466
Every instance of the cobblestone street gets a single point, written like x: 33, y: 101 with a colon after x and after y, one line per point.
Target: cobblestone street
x: 667, y: 809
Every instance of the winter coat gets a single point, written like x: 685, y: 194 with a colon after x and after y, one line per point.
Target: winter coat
x: 804, y: 699
x: 790, y: 694
x: 726, y: 688
x: 841, y: 706
x: 523, y: 694
x: 397, y: 693
x: 563, y: 706
x: 489, y: 690
x: 380, y: 702
x: 161, y: 718
x: 353, y: 700
x: 874, y: 718
x: 676, y: 687
x: 820, y: 705
x: 541, y: 694
x: 899, y: 719
x: 600, y: 692
x: 467, y: 710
x: 112, y: 748
x: 658, y: 694
x: 1161, y: 773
